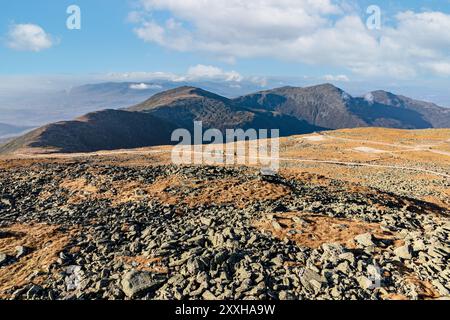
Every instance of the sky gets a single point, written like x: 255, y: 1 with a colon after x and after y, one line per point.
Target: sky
x: 299, y: 41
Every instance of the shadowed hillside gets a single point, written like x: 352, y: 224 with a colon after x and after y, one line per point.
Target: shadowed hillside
x: 103, y: 130
x: 289, y: 109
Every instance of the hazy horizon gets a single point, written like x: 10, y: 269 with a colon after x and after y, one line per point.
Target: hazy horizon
x: 359, y: 46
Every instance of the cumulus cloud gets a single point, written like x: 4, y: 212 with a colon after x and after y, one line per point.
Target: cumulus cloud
x: 194, y: 73
x: 141, y: 76
x: 319, y: 32
x: 439, y: 68
x: 28, y: 37
x: 339, y: 77
x: 144, y: 86
x: 210, y: 72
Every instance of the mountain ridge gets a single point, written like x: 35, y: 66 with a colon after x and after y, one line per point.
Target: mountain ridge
x: 293, y: 110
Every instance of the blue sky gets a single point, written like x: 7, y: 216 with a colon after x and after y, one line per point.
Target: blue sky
x: 173, y: 37
x: 105, y: 42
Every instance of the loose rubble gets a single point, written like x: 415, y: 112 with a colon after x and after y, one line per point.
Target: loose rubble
x: 150, y: 249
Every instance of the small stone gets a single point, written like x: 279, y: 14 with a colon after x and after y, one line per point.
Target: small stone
x: 373, y: 271
x: 218, y: 240
x: 299, y: 221
x: 335, y: 293
x: 403, y: 252
x: 252, y: 240
x: 21, y: 251
x: 348, y: 256
x: 206, y: 221
x: 5, y: 201
x: 332, y: 251
x: 286, y: 296
x: 443, y: 291
x: 147, y: 232
x: 316, y: 285
x: 195, y: 265
x: 3, y: 259
x: 365, y: 282
x: 278, y: 261
x: 365, y: 240
x: 312, y: 280
x: 34, y: 292
x: 135, y: 283
x: 74, y: 277
x: 208, y: 295
x: 343, y: 267
x: 276, y: 226
x: 419, y: 245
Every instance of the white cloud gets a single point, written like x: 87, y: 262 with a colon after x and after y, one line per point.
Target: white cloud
x: 439, y: 68
x: 194, y: 73
x: 144, y: 86
x: 139, y: 76
x: 171, y: 35
x: 210, y: 72
x: 318, y: 32
x: 28, y: 37
x: 260, y: 81
x: 339, y: 77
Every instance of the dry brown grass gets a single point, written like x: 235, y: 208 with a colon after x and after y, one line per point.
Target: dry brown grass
x: 80, y: 190
x: 336, y: 145
x: 317, y: 230
x: 424, y: 289
x: 45, y: 243
x: 174, y: 189
x: 236, y: 192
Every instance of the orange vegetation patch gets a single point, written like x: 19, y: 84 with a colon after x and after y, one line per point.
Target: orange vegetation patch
x: 395, y: 297
x: 424, y: 289
x: 307, y: 177
x: 312, y: 231
x: 44, y: 242
x: 175, y: 189
x: 233, y: 191
x: 80, y: 190
x: 142, y: 263
x: 443, y: 203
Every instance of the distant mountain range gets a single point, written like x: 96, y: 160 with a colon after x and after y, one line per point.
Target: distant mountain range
x: 7, y: 130
x: 40, y: 108
x: 292, y: 110
x: 330, y: 107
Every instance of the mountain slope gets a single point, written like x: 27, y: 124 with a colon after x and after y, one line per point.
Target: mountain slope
x: 330, y: 107
x: 323, y: 105
x: 438, y: 117
x: 152, y: 122
x: 292, y: 110
x: 103, y: 130
x: 183, y: 106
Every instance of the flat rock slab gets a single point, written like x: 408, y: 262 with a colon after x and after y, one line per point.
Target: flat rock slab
x: 136, y: 283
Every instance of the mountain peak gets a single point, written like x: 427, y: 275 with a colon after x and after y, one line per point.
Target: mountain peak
x: 385, y: 97
x: 382, y: 93
x: 185, y: 90
x: 327, y: 88
x: 170, y: 97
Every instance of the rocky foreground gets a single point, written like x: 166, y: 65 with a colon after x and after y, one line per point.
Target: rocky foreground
x: 83, y: 229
